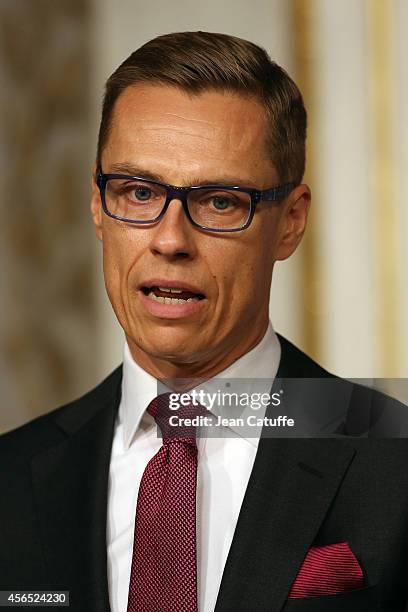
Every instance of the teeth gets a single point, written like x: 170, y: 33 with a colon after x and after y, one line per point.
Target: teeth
x: 167, y: 300
x: 168, y: 290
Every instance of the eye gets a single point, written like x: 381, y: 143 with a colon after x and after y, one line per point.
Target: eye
x: 142, y: 193
x: 220, y: 202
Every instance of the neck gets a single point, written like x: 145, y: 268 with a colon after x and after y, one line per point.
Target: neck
x: 172, y: 371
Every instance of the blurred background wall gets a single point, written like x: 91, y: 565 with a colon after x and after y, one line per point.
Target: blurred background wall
x: 342, y: 297
x: 47, y: 276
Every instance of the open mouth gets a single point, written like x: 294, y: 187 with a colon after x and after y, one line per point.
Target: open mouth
x: 167, y: 295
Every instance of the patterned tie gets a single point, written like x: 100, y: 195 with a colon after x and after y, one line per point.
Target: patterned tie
x: 164, y: 565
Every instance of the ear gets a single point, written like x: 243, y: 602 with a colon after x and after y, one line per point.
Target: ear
x: 96, y: 206
x: 293, y: 221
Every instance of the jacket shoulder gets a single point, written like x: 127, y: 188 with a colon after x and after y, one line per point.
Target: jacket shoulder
x: 367, y: 411
x: 48, y: 428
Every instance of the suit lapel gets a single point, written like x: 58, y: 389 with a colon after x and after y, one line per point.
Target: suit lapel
x: 292, y: 485
x: 70, y: 480
x: 289, y: 493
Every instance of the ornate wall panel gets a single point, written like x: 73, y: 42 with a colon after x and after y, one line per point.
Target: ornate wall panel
x: 46, y: 318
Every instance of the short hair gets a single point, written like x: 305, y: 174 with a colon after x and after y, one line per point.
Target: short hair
x: 200, y: 61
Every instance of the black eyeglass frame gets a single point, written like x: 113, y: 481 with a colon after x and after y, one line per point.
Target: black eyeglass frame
x: 273, y: 194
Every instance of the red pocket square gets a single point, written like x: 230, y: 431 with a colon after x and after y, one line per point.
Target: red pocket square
x: 327, y: 570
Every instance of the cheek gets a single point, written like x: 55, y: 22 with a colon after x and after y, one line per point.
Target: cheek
x: 256, y: 268
x: 118, y: 259
x: 111, y: 271
x: 244, y: 269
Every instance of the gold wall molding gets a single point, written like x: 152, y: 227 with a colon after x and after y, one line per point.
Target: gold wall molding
x: 383, y: 176
x: 302, y: 37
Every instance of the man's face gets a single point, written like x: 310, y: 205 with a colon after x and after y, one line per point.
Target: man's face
x: 211, y: 138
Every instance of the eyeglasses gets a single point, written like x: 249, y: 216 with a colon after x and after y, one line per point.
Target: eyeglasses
x: 214, y: 208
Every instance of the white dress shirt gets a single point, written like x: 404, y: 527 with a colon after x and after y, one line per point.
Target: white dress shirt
x: 224, y: 468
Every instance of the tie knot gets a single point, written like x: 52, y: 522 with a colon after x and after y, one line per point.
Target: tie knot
x: 176, y: 422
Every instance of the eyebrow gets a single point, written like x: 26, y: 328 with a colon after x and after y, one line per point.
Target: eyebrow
x: 131, y: 170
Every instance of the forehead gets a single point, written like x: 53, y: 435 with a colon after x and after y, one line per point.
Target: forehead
x: 163, y: 125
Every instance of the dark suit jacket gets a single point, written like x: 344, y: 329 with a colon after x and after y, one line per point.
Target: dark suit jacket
x: 301, y: 493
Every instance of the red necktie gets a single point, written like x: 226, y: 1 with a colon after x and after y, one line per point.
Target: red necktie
x: 164, y: 565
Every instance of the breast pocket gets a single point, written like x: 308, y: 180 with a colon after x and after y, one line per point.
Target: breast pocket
x: 360, y: 600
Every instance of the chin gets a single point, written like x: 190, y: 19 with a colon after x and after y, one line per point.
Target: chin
x: 171, y: 349
x: 174, y: 351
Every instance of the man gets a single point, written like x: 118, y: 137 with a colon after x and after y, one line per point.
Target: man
x: 94, y: 501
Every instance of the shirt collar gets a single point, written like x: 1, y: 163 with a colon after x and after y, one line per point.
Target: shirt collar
x: 139, y: 387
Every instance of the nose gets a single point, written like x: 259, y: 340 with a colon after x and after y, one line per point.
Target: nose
x: 173, y: 235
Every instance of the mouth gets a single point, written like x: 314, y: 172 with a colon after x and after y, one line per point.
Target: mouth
x: 171, y: 295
